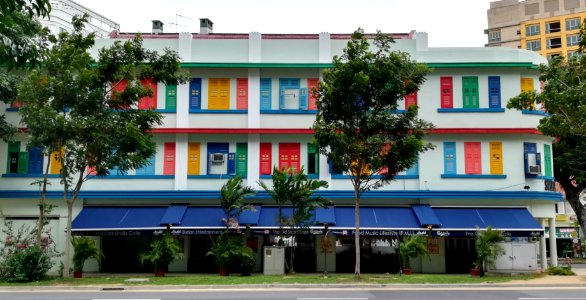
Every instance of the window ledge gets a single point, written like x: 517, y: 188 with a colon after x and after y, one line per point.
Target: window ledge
x: 528, y: 176
x: 132, y: 177
x: 343, y: 176
x: 213, y: 176
x: 470, y: 110
x: 12, y: 109
x: 166, y: 111
x: 473, y: 176
x: 288, y: 111
x: 218, y: 111
x: 29, y: 175
x: 534, y: 112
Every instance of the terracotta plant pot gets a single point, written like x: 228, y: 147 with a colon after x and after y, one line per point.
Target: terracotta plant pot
x: 77, y: 274
x: 475, y: 272
x: 224, y: 271
x: 408, y: 271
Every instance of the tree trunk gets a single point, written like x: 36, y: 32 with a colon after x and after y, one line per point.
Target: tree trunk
x: 67, y: 258
x: 357, y: 227
x: 42, y: 198
x: 573, y: 198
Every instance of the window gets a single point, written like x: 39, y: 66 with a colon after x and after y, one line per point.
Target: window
x: 552, y: 27
x: 554, y: 43
x: 312, y: 160
x: 241, y: 159
x: 414, y: 170
x: 534, y: 45
x: 411, y: 100
x: 171, y: 97
x: 289, y: 156
x: 547, y: 159
x: 494, y: 91
x: 266, y: 153
x: 450, y: 158
x: 494, y: 36
x: 149, y: 168
x: 18, y: 162
x: 266, y: 94
x: 218, y: 93
x: 447, y: 92
x: 312, y: 84
x: 532, y: 159
x: 496, y: 158
x: 291, y: 96
x: 470, y: 92
x: 35, y: 160
x: 148, y: 102
x: 195, y: 93
x: 552, y: 56
x: 219, y: 160
x: 572, y: 40
x: 532, y: 30
x: 169, y: 159
x: 574, y: 54
x: 527, y: 85
x: 55, y: 167
x: 242, y: 93
x: 193, y: 158
x: 572, y: 24
x: 472, y: 158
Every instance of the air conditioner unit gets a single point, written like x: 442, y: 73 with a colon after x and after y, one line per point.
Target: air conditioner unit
x: 217, y: 158
x: 534, y: 169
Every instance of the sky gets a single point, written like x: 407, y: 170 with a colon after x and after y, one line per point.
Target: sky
x: 449, y: 23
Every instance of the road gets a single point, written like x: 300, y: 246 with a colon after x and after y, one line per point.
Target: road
x: 489, y: 293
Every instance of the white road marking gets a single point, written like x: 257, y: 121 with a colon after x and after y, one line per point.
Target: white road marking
x: 332, y: 298
x: 551, y: 298
x: 124, y: 299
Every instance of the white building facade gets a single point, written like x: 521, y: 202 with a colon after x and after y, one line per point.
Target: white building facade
x: 247, y: 109
x: 62, y: 11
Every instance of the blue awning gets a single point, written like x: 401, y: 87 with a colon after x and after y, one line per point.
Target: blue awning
x: 426, y: 215
x: 250, y: 217
x: 173, y: 215
x: 506, y: 219
x: 204, y: 217
x: 377, y: 218
x: 100, y: 218
x: 325, y: 216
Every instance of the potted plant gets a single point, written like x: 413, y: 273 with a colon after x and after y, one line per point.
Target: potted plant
x: 412, y: 246
x: 163, y: 251
x: 225, y: 250
x: 247, y: 260
x: 84, y: 248
x: 487, y: 250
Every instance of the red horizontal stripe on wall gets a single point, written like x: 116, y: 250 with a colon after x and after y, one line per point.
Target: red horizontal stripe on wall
x: 309, y: 131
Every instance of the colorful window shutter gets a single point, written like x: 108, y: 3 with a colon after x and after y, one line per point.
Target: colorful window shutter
x: 231, y: 163
x: 414, y: 170
x: 265, y: 94
x: 242, y: 93
x: 35, y: 160
x: 450, y: 158
x: 472, y: 162
x: 303, y: 99
x: 193, y: 158
x: 12, y: 159
x: 265, y: 158
x: 527, y: 149
x: 119, y: 88
x: 289, y: 156
x: 286, y: 84
x: 22, y: 162
x: 195, y: 93
x: 547, y: 159
x: 219, y: 93
x: 470, y: 92
x: 527, y: 86
x: 312, y: 85
x: 496, y: 158
x: 447, y: 92
x: 241, y: 159
x: 494, y: 92
x: 169, y: 159
x: 149, y: 102
x: 16, y: 104
x: 171, y: 97
x: 148, y: 168
x: 410, y: 100
x: 312, y: 159
x: 55, y: 167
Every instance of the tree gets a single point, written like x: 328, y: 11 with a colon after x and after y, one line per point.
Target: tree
x: 71, y: 112
x: 562, y: 99
x: 356, y: 127
x: 232, y: 196
x: 296, y: 189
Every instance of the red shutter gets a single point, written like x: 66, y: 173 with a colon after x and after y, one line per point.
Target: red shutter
x: 91, y: 170
x: 311, y: 85
x: 169, y: 160
x: 472, y: 158
x: 289, y: 156
x: 447, y: 92
x: 265, y: 158
x: 148, y: 102
x: 120, y: 87
x: 283, y: 156
x: 242, y: 93
x: 410, y: 99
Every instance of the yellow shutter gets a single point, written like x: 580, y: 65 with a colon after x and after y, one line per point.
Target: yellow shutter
x: 496, y: 158
x: 218, y: 93
x: 55, y: 162
x: 224, y: 87
x: 193, y: 154
x: 527, y: 84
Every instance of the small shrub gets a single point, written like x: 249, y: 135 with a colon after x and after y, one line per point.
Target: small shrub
x: 564, y: 271
x: 28, y: 264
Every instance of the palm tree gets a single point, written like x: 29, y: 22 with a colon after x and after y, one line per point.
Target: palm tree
x: 232, y: 196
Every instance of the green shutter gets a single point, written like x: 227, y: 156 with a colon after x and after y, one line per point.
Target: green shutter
x: 171, y: 97
x: 470, y: 92
x: 312, y: 160
x: 241, y: 159
x: 12, y: 148
x: 547, y: 157
x: 22, y: 162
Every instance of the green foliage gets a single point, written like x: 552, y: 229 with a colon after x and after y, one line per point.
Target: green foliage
x: 232, y: 195
x: 487, y: 249
x: 563, y: 271
x: 225, y: 249
x: 84, y: 248
x: 247, y: 259
x: 412, y: 246
x: 27, y: 264
x: 164, y: 250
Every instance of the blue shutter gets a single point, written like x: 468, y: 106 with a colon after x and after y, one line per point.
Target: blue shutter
x: 303, y: 99
x: 538, y: 158
x: 195, y: 93
x: 450, y: 158
x: 494, y: 91
x: 35, y: 160
x: 281, y: 98
x: 265, y: 93
x: 414, y: 170
x: 148, y: 169
x: 231, y: 163
x: 529, y: 148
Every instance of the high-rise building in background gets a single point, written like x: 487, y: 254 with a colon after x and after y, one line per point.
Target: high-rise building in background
x: 62, y: 11
x: 549, y: 27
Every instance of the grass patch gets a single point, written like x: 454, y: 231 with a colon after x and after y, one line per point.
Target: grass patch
x: 315, y: 279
